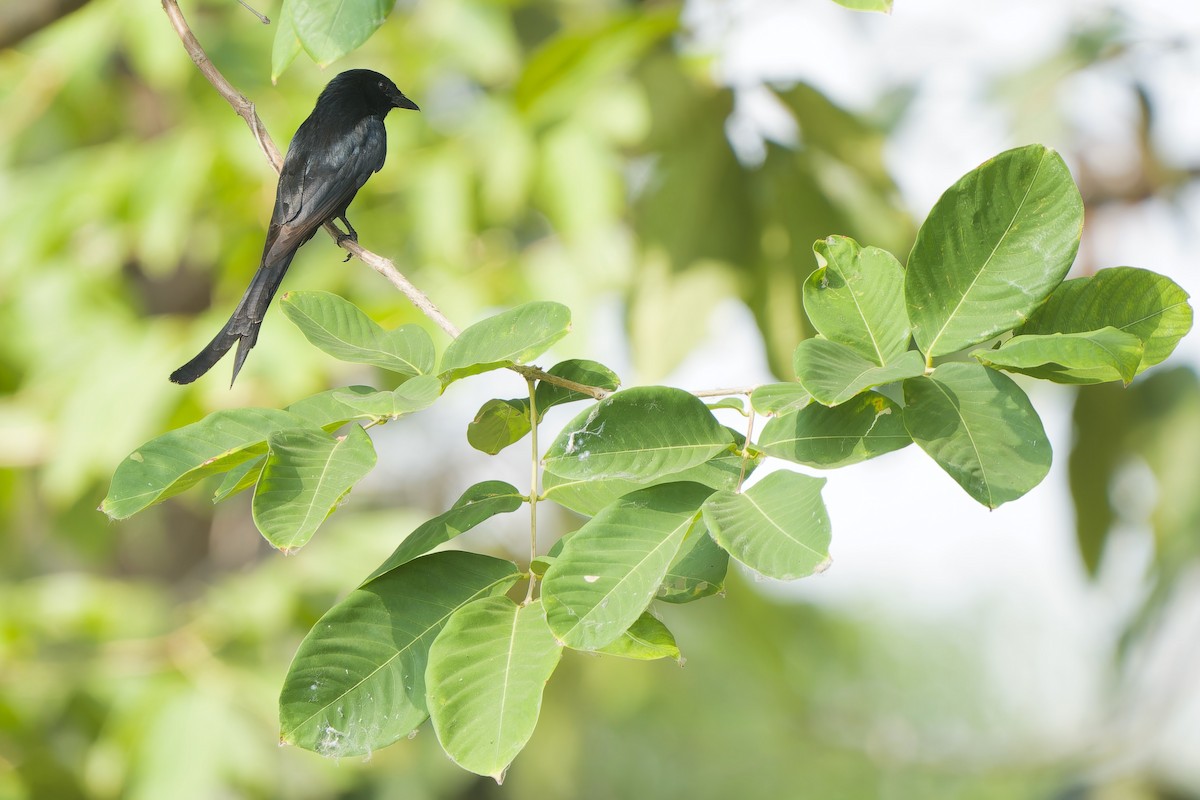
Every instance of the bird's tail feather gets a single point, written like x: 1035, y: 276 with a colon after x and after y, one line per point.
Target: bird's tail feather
x: 242, y: 327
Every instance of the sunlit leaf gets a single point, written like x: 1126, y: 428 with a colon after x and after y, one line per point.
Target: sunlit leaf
x: 1098, y: 356
x: 610, y: 569
x: 833, y: 373
x: 1150, y: 306
x: 357, y: 682
x: 856, y: 298
x: 286, y: 45
x: 306, y: 474
x: 774, y: 399
x: 994, y: 246
x: 176, y: 461
x: 646, y: 640
x: 329, y: 29
x: 778, y: 527
x: 487, y: 669
x: 882, y: 6
x: 412, y: 395
x: 637, y: 435
x: 342, y: 330
x: 979, y: 426
x: 588, y: 373
x: 859, y: 429
x: 511, y: 337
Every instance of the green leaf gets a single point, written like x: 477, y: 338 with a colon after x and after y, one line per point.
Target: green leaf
x: 698, y: 570
x: 306, y: 474
x: 856, y: 298
x: 286, y: 45
x: 610, y: 569
x: 994, y: 246
x: 487, y: 669
x: 498, y: 424
x: 638, y: 434
x: 1150, y: 306
x: 775, y: 399
x: 176, y: 461
x: 859, y: 429
x: 882, y: 6
x: 588, y: 496
x: 412, y: 395
x: 979, y: 426
x: 778, y: 527
x: 478, y: 503
x: 646, y: 640
x: 511, y: 337
x: 736, y: 403
x: 342, y: 330
x: 329, y: 29
x: 833, y: 373
x: 589, y: 373
x: 1092, y: 357
x: 357, y: 682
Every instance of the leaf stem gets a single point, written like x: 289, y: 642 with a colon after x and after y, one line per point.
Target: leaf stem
x: 533, y: 485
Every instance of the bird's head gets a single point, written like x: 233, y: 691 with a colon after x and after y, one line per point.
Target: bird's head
x: 377, y: 90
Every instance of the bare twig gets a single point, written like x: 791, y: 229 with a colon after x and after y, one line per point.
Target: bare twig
x: 261, y: 17
x: 382, y: 265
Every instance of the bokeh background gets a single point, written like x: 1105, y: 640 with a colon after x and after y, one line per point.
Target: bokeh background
x: 663, y: 169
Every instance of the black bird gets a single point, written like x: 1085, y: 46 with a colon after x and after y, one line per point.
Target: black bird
x: 334, y: 151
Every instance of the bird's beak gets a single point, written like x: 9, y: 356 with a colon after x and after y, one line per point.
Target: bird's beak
x: 400, y: 101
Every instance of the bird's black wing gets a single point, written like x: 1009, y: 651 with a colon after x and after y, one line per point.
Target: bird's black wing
x: 320, y: 177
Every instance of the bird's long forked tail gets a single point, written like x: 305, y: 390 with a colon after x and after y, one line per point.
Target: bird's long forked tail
x: 242, y: 327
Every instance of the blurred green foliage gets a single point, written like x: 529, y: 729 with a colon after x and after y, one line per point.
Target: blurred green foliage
x: 565, y: 151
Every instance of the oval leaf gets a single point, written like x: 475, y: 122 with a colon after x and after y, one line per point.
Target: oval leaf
x: 498, y: 424
x: 345, y: 332
x: 357, y: 682
x: 512, y: 337
x: 329, y: 29
x: 774, y: 399
x: 778, y: 527
x: 487, y: 669
x: 859, y: 429
x: 856, y: 298
x: 994, y: 246
x: 176, y: 461
x: 979, y: 426
x: 609, y: 570
x: 833, y: 373
x: 306, y: 474
x: 1150, y: 306
x: 638, y: 434
x: 589, y: 373
x: 412, y: 395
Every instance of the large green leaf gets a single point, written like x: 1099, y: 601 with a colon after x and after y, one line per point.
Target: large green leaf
x: 342, y: 330
x: 993, y: 247
x: 306, y: 474
x: 637, y: 435
x: 647, y: 639
x: 1092, y: 357
x: 833, y: 373
x: 859, y: 429
x: 511, y: 337
x: 588, y: 496
x: 176, y: 461
x: 979, y: 426
x: 778, y: 527
x: 1150, y: 306
x: 609, y: 570
x: 487, y: 669
x: 478, y: 503
x: 286, y: 45
x: 856, y: 298
x: 329, y: 29
x: 357, y: 682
